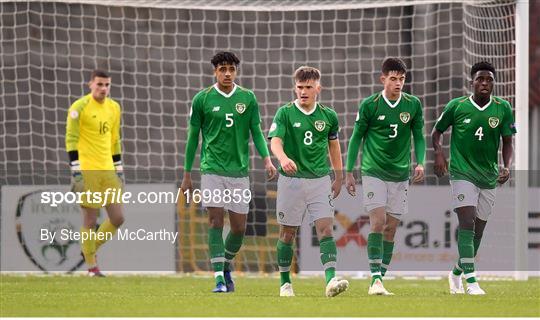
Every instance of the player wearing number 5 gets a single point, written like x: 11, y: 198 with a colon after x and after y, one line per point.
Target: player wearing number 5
x: 94, y: 148
x: 478, y: 122
x: 304, y: 134
x: 226, y: 114
x: 385, y: 121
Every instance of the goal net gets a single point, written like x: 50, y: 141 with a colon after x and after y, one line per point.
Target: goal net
x: 158, y: 54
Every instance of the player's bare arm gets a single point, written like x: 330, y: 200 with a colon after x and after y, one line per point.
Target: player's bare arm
x: 334, y: 150
x: 441, y: 164
x: 507, y: 152
x: 276, y: 145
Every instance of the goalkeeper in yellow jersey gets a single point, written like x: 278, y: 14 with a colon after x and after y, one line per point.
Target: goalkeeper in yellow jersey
x: 94, y: 148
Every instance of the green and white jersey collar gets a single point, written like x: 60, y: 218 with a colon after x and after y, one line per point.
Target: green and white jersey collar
x: 477, y: 106
x: 226, y: 95
x: 307, y: 113
x: 388, y: 101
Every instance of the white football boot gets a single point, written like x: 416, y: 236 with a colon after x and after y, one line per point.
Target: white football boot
x: 336, y: 286
x: 377, y: 288
x: 474, y: 289
x: 286, y: 290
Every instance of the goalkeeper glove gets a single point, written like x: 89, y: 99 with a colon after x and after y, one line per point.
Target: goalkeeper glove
x: 119, y: 171
x: 77, y: 182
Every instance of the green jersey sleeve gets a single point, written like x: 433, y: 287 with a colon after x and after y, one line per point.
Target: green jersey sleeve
x: 196, y: 115
x: 508, y: 125
x: 360, y: 127
x: 278, y: 127
x: 334, y: 129
x: 447, y: 117
x: 255, y: 112
x: 417, y: 127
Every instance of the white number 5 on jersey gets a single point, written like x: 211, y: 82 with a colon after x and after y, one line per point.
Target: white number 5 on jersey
x: 229, y: 119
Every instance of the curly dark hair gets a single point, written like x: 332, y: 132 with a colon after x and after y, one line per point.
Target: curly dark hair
x: 224, y: 57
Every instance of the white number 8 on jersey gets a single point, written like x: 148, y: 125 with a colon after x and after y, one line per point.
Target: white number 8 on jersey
x: 308, y: 138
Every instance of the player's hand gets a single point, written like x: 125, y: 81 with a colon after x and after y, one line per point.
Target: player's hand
x: 336, y: 186
x: 271, y: 171
x: 77, y: 182
x: 418, y: 174
x: 504, y: 175
x: 350, y: 183
x: 441, y: 165
x: 288, y: 166
x: 186, y: 184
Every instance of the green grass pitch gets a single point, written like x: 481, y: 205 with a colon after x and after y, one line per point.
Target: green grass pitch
x: 255, y: 297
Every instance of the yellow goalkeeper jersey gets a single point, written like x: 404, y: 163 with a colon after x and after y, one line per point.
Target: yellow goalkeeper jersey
x: 93, y: 129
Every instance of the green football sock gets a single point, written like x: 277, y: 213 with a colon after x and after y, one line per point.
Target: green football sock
x: 233, y: 242
x: 328, y: 257
x: 217, y: 252
x: 466, y: 253
x: 375, y: 249
x: 284, y: 254
x: 458, y: 268
x: 388, y: 250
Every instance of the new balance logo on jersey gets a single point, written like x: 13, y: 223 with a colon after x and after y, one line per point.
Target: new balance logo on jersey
x: 216, y: 109
x: 381, y: 117
x: 297, y: 125
x: 468, y: 120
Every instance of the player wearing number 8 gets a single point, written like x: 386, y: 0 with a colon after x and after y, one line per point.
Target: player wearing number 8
x: 478, y: 122
x: 385, y: 121
x: 226, y: 114
x: 304, y: 133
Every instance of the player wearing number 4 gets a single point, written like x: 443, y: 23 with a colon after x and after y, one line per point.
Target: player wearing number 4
x: 478, y: 122
x: 385, y: 121
x: 303, y: 134
x: 94, y: 148
x: 226, y: 114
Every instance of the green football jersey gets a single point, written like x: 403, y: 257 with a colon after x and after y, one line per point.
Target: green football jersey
x: 386, y: 127
x: 476, y: 133
x: 225, y: 121
x: 305, y: 137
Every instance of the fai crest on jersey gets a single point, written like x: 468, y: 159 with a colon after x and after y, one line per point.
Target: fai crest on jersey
x: 370, y: 195
x: 404, y: 117
x: 281, y: 215
x: 461, y: 197
x: 240, y: 107
x: 493, y: 122
x: 320, y: 125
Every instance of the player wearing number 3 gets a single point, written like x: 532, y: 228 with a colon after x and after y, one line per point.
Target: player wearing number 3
x: 478, y: 122
x: 385, y: 121
x: 304, y: 133
x: 226, y: 114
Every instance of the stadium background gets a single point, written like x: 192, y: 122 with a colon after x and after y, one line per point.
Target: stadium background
x: 158, y: 54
